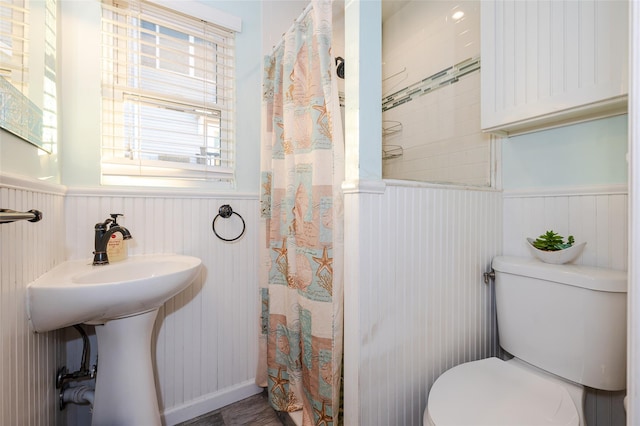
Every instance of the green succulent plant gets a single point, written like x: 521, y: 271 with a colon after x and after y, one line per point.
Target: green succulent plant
x: 550, y: 241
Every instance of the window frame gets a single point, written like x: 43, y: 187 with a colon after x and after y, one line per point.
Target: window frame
x: 212, y: 163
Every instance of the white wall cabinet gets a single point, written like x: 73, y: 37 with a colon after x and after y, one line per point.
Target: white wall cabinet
x: 547, y: 63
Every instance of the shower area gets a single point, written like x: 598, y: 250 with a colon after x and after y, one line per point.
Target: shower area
x: 422, y: 217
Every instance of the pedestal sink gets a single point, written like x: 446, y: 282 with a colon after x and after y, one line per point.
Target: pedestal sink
x: 122, y: 300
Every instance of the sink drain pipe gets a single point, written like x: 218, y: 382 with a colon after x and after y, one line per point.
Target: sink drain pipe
x: 77, y: 394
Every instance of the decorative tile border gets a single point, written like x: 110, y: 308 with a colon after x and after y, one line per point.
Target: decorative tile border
x: 19, y: 115
x: 436, y: 81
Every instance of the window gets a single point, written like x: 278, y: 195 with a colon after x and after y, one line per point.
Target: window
x: 14, y: 42
x: 167, y: 96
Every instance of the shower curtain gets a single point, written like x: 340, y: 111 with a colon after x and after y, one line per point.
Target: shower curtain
x: 302, y: 169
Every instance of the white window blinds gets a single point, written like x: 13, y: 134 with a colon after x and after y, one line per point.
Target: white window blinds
x: 14, y: 43
x: 167, y: 95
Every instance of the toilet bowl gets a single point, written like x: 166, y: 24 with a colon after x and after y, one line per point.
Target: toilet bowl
x: 493, y: 392
x: 565, y: 326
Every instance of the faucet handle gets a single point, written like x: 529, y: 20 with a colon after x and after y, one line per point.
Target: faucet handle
x: 114, y: 216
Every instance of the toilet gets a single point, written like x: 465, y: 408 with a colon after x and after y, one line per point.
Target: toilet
x: 564, y: 325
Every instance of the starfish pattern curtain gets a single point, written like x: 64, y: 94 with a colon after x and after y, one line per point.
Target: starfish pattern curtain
x: 302, y: 169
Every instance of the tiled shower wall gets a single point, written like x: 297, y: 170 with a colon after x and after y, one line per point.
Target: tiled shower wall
x: 28, y: 361
x: 415, y: 301
x: 205, y: 338
x: 438, y: 132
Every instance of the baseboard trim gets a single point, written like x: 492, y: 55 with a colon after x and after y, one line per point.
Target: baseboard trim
x: 210, y: 402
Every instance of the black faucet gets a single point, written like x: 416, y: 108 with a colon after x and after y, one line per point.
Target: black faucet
x: 104, y: 231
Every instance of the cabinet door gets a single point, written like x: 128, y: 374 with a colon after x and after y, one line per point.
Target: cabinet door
x: 546, y: 63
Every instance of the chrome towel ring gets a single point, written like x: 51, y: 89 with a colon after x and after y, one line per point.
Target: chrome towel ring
x: 225, y: 211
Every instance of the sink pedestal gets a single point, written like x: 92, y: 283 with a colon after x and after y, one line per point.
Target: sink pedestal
x: 125, y: 386
x: 122, y: 301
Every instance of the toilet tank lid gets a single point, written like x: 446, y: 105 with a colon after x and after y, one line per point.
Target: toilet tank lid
x: 589, y: 277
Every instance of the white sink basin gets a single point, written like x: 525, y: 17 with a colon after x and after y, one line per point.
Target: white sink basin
x: 77, y: 292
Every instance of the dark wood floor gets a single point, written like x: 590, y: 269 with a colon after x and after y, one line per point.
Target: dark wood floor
x: 253, y: 411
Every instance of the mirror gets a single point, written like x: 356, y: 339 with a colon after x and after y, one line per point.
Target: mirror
x: 28, y: 107
x: 19, y: 115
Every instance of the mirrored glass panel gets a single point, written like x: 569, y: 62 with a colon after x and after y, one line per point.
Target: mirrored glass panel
x: 28, y: 104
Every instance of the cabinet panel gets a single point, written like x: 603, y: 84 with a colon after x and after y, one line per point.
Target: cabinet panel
x: 546, y: 63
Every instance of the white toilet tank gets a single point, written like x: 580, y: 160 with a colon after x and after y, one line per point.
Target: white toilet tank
x: 569, y: 320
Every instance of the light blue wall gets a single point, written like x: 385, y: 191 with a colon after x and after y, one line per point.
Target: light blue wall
x: 264, y: 22
x: 248, y: 89
x: 590, y: 153
x: 363, y: 90
x: 18, y: 157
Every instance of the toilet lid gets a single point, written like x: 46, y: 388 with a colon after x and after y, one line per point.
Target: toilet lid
x: 494, y: 392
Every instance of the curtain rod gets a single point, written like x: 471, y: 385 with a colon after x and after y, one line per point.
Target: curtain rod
x: 295, y: 21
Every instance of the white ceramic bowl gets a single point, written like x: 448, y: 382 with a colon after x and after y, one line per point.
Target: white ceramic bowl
x: 557, y: 257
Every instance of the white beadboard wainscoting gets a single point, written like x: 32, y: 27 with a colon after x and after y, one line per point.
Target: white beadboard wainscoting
x: 595, y: 214
x: 204, y: 347
x: 28, y: 361
x: 415, y: 301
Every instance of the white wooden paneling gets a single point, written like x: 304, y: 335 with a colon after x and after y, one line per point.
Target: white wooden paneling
x: 598, y: 219
x: 415, y: 301
x: 551, y: 62
x: 28, y: 361
x: 205, y: 337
